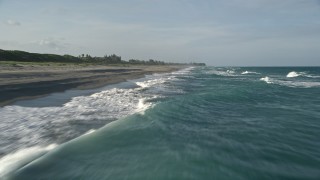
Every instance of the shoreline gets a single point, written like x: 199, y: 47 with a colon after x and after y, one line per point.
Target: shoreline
x: 31, y: 82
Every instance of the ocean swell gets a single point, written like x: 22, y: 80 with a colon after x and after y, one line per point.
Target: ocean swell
x: 20, y: 158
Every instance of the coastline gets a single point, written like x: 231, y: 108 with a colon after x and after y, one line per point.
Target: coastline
x: 29, y: 82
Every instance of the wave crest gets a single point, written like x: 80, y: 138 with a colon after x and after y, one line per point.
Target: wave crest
x: 249, y: 72
x: 266, y: 79
x: 293, y: 74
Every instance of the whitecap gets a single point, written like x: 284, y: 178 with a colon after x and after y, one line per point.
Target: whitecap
x: 142, y: 106
x: 266, y: 79
x: 249, y: 72
x: 222, y: 72
x: 293, y: 74
x: 149, y: 83
x: 299, y: 84
x: 293, y: 84
x: 304, y: 74
x: 230, y: 71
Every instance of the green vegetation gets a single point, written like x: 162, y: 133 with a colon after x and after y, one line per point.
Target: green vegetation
x: 22, y: 56
x: 34, y: 57
x: 22, y: 63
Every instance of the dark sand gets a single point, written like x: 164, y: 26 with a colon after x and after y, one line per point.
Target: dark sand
x: 29, y: 81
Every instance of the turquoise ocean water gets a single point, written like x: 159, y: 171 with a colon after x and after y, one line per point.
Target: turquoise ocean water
x: 197, y: 123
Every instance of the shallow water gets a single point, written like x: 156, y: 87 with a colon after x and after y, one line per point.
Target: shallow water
x: 199, y: 123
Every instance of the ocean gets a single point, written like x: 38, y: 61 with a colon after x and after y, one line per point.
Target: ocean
x: 224, y: 123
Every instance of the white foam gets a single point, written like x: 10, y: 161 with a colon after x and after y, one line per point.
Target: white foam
x: 183, y: 71
x: 312, y: 76
x: 266, y: 79
x: 249, y: 72
x: 149, y: 83
x: 230, y: 71
x: 90, y: 131
x: 31, y: 126
x: 304, y: 74
x: 300, y: 84
x: 23, y: 127
x: 293, y: 74
x: 294, y: 84
x: 142, y: 106
x: 222, y: 72
x: 20, y: 158
x: 162, y: 78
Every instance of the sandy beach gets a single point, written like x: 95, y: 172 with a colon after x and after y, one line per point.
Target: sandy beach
x: 31, y: 81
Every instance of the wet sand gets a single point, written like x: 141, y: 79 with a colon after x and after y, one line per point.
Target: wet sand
x: 29, y: 81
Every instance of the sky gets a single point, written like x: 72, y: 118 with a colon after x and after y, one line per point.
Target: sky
x: 216, y: 32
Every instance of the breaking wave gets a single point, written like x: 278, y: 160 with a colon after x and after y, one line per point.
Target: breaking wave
x: 249, y: 72
x: 300, y: 84
x: 30, y: 132
x: 223, y: 72
x: 266, y: 79
x: 294, y: 84
x: 294, y: 74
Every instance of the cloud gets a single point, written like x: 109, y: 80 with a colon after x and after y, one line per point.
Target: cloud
x: 53, y: 43
x: 49, y: 43
x: 12, y: 23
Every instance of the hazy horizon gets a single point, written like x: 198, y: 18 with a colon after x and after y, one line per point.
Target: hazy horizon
x: 220, y: 33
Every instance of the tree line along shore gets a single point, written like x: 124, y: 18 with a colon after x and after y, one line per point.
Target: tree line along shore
x: 22, y: 56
